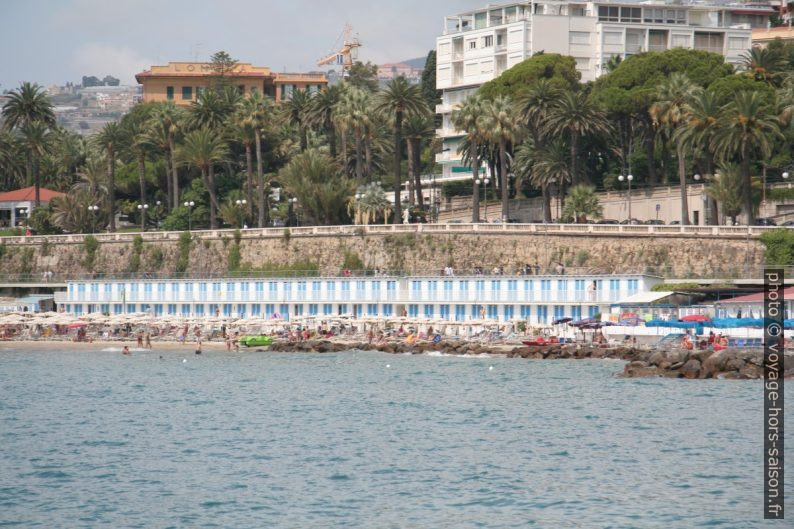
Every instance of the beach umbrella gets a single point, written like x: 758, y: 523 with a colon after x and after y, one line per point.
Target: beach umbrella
x: 77, y: 325
x: 695, y: 317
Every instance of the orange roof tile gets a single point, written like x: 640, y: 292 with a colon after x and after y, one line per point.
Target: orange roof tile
x: 29, y: 194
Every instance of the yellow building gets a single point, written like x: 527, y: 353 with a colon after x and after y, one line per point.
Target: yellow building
x: 763, y: 36
x: 183, y: 82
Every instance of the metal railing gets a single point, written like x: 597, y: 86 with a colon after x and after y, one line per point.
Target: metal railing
x: 360, y: 230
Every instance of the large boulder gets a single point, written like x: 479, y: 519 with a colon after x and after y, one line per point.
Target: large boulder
x: 691, y: 369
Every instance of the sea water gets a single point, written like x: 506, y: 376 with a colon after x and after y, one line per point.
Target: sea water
x: 91, y: 438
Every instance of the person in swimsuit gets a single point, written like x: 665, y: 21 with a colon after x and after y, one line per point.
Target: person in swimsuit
x: 126, y: 351
x: 198, y: 348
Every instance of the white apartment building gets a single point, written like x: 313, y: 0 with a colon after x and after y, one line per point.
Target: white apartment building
x: 477, y: 46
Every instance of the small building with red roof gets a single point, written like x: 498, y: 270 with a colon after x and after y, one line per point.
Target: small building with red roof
x: 752, y: 305
x: 15, y: 206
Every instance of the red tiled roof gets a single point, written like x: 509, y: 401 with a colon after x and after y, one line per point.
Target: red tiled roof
x: 235, y: 75
x: 29, y: 194
x: 758, y: 297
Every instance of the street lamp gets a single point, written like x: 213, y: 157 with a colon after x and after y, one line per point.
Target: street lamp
x: 189, y: 206
x: 25, y: 212
x: 93, y: 210
x: 485, y: 183
x: 143, y: 208
x: 785, y: 177
x: 629, y: 179
x: 291, y: 213
x: 241, y: 205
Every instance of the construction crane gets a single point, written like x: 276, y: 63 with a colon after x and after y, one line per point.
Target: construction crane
x: 348, y: 53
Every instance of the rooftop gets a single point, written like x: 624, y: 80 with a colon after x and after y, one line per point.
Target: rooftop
x: 29, y: 194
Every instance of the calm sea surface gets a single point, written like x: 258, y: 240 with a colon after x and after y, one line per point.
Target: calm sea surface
x: 253, y: 440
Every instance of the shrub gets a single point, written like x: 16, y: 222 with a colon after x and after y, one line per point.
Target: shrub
x: 779, y: 247
x: 234, y: 258
x: 156, y: 259
x: 91, y: 245
x: 287, y: 235
x: 137, y: 249
x: 581, y: 257
x: 352, y: 261
x: 182, y: 262
x: 460, y: 188
x: 237, y: 236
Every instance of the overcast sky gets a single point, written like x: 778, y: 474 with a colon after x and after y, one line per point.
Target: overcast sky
x: 54, y: 41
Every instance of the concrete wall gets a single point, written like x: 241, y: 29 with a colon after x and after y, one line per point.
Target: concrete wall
x: 671, y: 255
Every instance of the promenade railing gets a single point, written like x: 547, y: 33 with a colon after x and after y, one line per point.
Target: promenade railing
x: 618, y: 230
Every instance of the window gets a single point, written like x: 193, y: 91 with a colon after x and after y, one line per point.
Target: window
x: 675, y: 16
x: 680, y: 41
x: 199, y: 92
x: 480, y: 20
x: 657, y: 40
x: 737, y: 43
x: 579, y: 37
x: 444, y: 48
x: 486, y: 67
x: 709, y: 42
x: 187, y: 93
x: 169, y: 92
x: 654, y: 16
x: 613, y: 37
x: 608, y: 13
x: 487, y: 41
x: 582, y: 63
x: 631, y: 14
x: 472, y: 44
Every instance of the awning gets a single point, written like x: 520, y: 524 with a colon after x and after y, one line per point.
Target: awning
x: 644, y: 298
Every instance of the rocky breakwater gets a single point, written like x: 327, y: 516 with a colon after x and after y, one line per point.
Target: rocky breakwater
x: 680, y: 363
x: 673, y: 363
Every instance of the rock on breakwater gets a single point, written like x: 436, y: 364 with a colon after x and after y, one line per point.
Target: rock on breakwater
x: 674, y: 363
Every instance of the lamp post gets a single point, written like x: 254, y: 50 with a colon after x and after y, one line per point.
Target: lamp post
x: 143, y: 208
x: 25, y: 212
x: 629, y: 179
x: 241, y: 205
x: 485, y: 183
x: 705, y: 199
x: 291, y: 215
x: 785, y: 176
x: 189, y: 206
x: 93, y: 210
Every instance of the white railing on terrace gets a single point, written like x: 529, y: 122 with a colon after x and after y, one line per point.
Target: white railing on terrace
x: 379, y: 229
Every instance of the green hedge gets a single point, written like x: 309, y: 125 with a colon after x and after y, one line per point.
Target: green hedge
x: 779, y: 247
x: 459, y: 188
x: 780, y: 194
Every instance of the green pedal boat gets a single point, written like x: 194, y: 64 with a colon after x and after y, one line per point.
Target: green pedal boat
x: 256, y: 341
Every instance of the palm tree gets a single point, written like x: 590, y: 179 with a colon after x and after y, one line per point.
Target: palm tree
x: 582, y: 203
x: 469, y: 118
x: 399, y: 99
x: 785, y: 98
x: 670, y: 110
x: 135, y: 125
x: 110, y: 140
x: 321, y: 113
x: 353, y: 111
x: 745, y: 126
x: 551, y: 168
x: 533, y: 106
x: 296, y: 110
x: 317, y: 182
x: 702, y: 112
x: 243, y: 133
x: 576, y: 116
x: 256, y: 112
x: 27, y: 104
x: 203, y: 148
x: 13, y: 172
x: 763, y: 64
x: 418, y: 128
x: 368, y: 204
x: 36, y: 137
x: 165, y: 124
x: 70, y: 212
x: 502, y: 126
x: 211, y: 110
x: 726, y: 189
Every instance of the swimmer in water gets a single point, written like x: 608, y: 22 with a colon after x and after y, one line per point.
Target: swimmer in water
x: 126, y: 351
x: 198, y: 348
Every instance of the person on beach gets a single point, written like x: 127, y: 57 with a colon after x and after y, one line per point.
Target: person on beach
x: 140, y: 338
x: 198, y: 348
x: 236, y: 342
x: 126, y: 351
x: 148, y: 341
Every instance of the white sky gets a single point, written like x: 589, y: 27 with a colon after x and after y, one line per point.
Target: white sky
x: 54, y: 41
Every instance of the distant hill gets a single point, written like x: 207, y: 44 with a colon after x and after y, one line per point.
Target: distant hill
x: 419, y: 62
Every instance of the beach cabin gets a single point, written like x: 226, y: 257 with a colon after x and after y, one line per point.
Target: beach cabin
x: 15, y: 206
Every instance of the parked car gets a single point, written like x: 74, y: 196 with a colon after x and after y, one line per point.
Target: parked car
x: 633, y: 222
x: 675, y: 223
x: 788, y: 223
x: 654, y: 222
x: 455, y: 221
x: 607, y: 221
x: 765, y: 221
